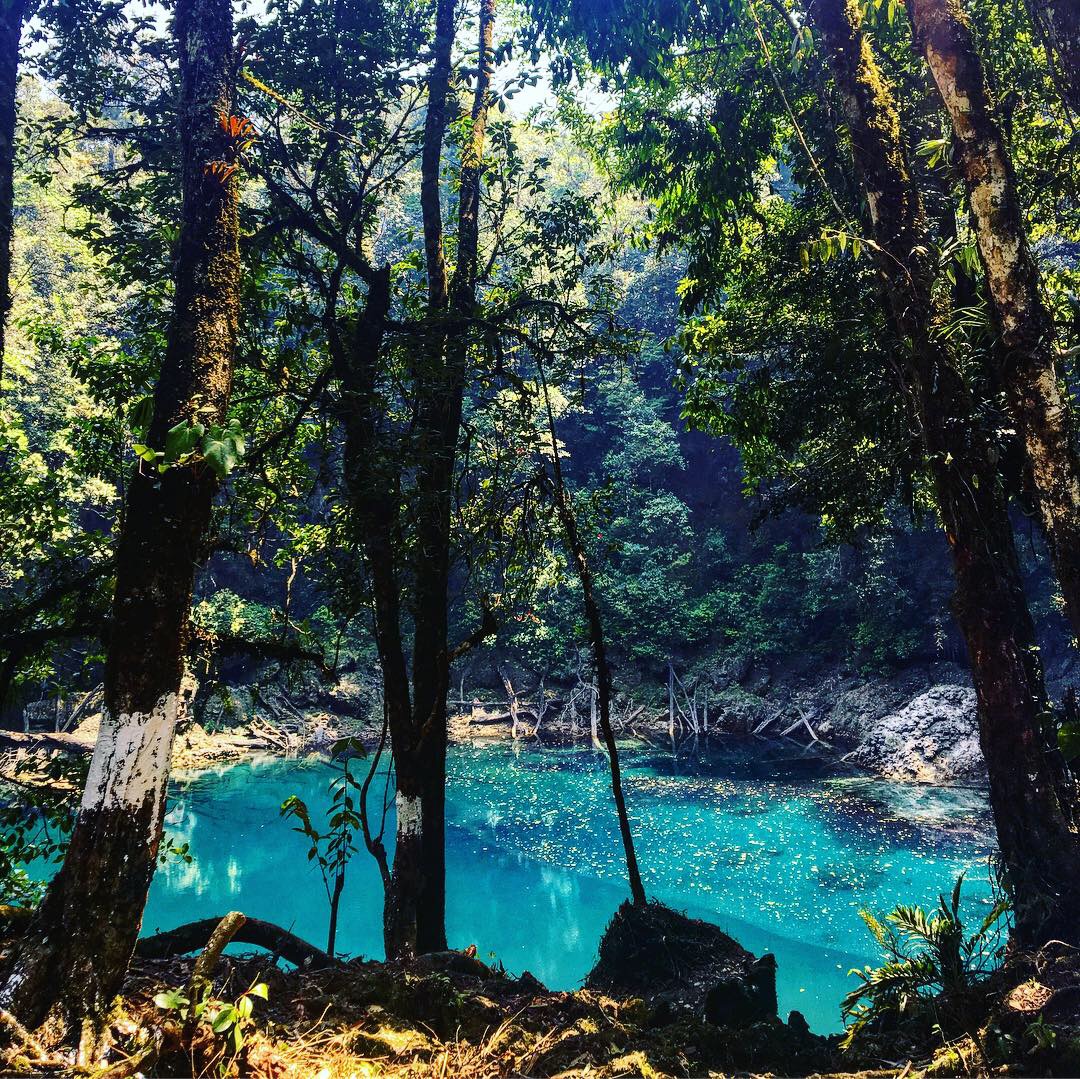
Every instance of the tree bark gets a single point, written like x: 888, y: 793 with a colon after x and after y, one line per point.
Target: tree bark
x: 596, y: 635
x: 1031, y: 795
x: 12, y: 15
x: 77, y: 949
x: 372, y: 483
x: 1026, y: 358
x: 1058, y: 24
x: 417, y: 911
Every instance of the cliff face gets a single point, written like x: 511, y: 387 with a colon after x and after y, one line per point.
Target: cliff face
x: 917, y: 726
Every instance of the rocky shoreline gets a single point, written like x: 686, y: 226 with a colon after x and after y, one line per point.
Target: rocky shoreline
x: 918, y: 726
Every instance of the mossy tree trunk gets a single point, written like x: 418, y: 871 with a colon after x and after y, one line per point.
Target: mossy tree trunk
x: 1027, y: 365
x: 77, y: 948
x: 1031, y: 796
x: 13, y: 14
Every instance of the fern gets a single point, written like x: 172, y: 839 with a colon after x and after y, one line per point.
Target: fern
x: 930, y: 962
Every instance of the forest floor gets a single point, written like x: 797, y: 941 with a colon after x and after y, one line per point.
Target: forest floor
x: 446, y: 1015
x: 449, y: 1015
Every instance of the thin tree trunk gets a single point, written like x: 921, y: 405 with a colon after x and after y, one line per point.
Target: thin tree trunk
x: 370, y: 474
x: 671, y: 701
x: 1030, y: 795
x: 594, y: 693
x: 596, y: 635
x: 12, y: 16
x: 1058, y: 24
x: 78, y: 946
x: 1027, y: 364
x: 512, y: 699
x: 335, y: 904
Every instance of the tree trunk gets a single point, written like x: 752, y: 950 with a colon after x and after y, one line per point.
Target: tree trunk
x: 594, y: 715
x: 602, y: 697
x: 78, y: 947
x: 1058, y: 24
x: 1027, y: 364
x: 372, y: 484
x: 12, y: 15
x: 671, y: 701
x: 1030, y: 794
x: 335, y: 904
x: 419, y: 872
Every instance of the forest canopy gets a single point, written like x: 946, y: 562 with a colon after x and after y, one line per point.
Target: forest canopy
x: 616, y: 362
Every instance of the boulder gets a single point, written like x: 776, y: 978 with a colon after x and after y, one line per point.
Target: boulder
x: 683, y: 965
x: 933, y: 738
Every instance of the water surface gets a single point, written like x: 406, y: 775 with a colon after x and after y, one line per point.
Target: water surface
x: 768, y: 844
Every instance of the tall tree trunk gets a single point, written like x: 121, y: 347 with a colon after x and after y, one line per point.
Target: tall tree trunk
x: 78, y: 946
x: 1032, y: 798
x: 371, y: 482
x: 1058, y: 24
x: 419, y: 871
x: 596, y: 636
x: 12, y: 16
x: 1026, y: 357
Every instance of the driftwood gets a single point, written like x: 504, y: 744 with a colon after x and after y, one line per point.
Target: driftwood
x: 68, y: 743
x: 94, y: 698
x: 803, y: 721
x: 768, y: 721
x: 195, y: 935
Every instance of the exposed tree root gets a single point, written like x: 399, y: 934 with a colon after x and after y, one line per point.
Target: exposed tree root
x: 22, y: 1036
x: 196, y: 935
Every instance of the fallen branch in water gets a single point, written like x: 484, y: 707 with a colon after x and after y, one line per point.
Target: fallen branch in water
x: 196, y: 935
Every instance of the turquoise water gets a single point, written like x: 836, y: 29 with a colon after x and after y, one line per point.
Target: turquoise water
x: 769, y: 845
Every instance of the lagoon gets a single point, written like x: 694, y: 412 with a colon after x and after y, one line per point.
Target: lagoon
x: 777, y: 847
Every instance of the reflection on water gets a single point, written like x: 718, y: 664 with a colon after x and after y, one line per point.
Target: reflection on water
x: 775, y: 849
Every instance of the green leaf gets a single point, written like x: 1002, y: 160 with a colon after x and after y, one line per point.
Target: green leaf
x: 171, y: 1000
x: 141, y: 412
x: 1069, y: 740
x: 353, y: 746
x: 224, y: 1019
x: 182, y: 440
x: 223, y: 447
x: 145, y: 453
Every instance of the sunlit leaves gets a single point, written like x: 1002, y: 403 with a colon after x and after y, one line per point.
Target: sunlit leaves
x: 220, y: 446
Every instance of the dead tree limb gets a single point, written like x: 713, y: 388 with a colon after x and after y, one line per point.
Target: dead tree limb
x: 202, y: 973
x: 194, y: 935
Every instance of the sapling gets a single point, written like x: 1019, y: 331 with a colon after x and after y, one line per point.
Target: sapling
x: 332, y: 849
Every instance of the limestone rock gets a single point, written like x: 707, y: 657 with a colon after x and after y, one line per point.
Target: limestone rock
x: 933, y: 738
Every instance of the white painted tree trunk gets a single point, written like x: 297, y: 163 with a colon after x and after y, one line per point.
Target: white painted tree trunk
x: 131, y: 757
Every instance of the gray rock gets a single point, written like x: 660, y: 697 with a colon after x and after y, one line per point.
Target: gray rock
x: 933, y: 738
x: 733, y: 671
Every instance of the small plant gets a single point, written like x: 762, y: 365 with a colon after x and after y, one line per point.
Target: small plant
x: 932, y: 966
x: 332, y: 849
x: 230, y: 1022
